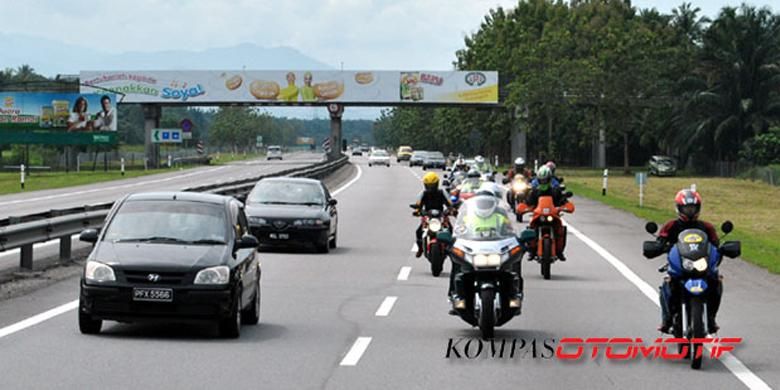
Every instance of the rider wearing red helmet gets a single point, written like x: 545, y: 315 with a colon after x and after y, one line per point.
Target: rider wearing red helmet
x: 688, y: 203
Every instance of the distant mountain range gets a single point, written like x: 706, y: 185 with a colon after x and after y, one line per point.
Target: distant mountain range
x: 50, y: 58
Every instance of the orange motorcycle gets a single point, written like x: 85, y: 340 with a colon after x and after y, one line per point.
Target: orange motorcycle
x: 550, y: 232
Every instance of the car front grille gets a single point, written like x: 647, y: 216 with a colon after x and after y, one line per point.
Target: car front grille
x: 163, y: 278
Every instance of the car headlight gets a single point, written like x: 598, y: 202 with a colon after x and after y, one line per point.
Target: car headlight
x: 434, y: 225
x: 308, y: 222
x: 257, y: 221
x: 487, y: 261
x: 99, y: 272
x: 213, y: 275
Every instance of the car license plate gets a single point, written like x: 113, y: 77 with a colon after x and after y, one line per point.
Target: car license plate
x: 153, y: 294
x: 280, y: 236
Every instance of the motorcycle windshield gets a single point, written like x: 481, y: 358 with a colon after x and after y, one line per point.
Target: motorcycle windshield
x: 693, y: 244
x: 477, y: 223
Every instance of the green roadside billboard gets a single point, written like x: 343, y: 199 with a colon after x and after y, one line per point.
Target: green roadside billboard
x: 57, y: 118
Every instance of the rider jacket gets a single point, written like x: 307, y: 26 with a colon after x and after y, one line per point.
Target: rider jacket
x: 533, y: 197
x: 672, y: 229
x: 433, y: 200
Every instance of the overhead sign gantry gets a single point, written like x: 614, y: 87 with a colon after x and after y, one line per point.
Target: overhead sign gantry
x: 335, y: 89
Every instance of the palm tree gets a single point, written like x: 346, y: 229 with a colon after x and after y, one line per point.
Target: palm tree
x: 25, y: 73
x: 686, y: 21
x: 737, y: 95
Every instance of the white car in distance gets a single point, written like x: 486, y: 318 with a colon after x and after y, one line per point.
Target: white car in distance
x: 379, y: 157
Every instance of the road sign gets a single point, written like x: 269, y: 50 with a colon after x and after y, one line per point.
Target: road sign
x: 186, y: 125
x: 259, y: 141
x: 326, y: 145
x: 166, y: 136
x: 641, y: 178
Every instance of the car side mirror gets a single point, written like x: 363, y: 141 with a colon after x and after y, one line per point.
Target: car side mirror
x: 727, y: 227
x: 651, y: 249
x: 651, y: 227
x: 731, y: 249
x: 332, y: 202
x: 89, y: 235
x: 247, y: 241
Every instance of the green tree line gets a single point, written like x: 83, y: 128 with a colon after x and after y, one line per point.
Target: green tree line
x: 704, y: 91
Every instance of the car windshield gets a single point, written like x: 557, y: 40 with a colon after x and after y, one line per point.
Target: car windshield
x: 437, y: 155
x: 169, y: 221
x: 380, y: 154
x: 665, y: 161
x: 274, y: 149
x: 286, y: 192
x: 405, y: 149
x: 477, y: 222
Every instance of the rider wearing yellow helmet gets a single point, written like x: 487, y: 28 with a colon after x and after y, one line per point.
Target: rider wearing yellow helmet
x: 431, y: 198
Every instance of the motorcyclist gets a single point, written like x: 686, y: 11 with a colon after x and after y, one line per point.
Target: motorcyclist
x: 483, y: 214
x: 545, y: 185
x: 552, y: 166
x: 472, y: 182
x: 481, y: 165
x: 518, y: 168
x: 688, y: 204
x: 431, y: 198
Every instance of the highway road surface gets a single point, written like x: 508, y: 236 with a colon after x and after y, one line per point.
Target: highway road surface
x: 369, y: 315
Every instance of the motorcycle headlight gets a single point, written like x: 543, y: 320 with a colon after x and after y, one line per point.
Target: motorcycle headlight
x: 99, y: 272
x: 549, y: 218
x: 434, y: 225
x: 487, y: 261
x: 518, y: 187
x: 700, y: 265
x: 213, y: 275
x: 257, y: 221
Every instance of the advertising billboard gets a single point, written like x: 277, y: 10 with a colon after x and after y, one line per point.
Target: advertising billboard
x: 297, y: 87
x: 66, y: 112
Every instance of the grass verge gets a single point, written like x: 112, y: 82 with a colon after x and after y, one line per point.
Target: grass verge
x: 752, y: 206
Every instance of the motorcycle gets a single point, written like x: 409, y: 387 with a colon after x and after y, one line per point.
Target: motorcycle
x: 489, y: 273
x: 518, y: 192
x: 546, y: 217
x: 433, y: 222
x: 691, y: 262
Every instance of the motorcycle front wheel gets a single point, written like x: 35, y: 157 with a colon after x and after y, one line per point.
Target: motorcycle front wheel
x: 546, y: 260
x: 697, y: 331
x: 487, y: 317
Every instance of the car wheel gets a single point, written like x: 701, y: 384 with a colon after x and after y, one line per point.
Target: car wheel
x: 251, y: 316
x: 332, y: 242
x: 87, y: 325
x: 230, y: 327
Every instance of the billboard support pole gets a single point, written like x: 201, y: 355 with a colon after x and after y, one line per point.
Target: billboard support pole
x: 336, y: 111
x: 152, y: 113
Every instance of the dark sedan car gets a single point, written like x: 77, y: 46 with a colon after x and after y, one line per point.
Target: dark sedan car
x: 417, y: 158
x: 286, y: 211
x: 174, y: 256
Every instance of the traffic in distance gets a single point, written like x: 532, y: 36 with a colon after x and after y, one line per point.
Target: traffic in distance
x: 178, y: 256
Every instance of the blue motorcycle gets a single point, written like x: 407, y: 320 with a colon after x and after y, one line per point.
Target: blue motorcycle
x: 691, y: 262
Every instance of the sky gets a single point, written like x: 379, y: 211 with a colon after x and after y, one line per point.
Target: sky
x: 348, y: 34
x: 355, y: 34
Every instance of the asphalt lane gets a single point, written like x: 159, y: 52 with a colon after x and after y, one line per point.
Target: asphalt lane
x: 37, y: 201
x: 315, y: 308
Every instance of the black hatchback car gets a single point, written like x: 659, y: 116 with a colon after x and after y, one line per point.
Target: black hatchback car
x: 174, y: 256
x: 286, y: 211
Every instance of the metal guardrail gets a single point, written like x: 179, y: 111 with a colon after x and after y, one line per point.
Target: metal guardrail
x: 25, y: 231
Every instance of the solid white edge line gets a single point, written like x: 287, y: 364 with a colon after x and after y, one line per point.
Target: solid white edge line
x: 349, y: 183
x: 356, y: 352
x: 385, y: 307
x: 38, y: 318
x: 747, y: 377
x: 403, y: 274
